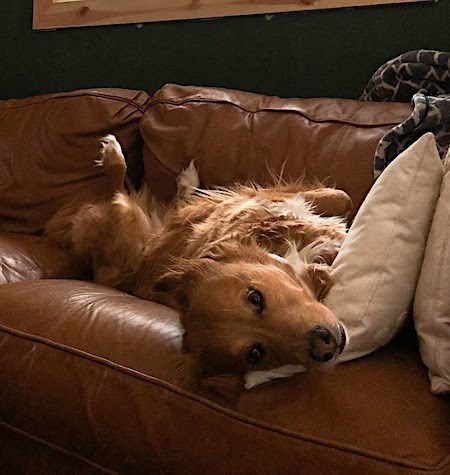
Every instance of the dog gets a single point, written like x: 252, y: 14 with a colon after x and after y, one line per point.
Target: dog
x: 245, y: 266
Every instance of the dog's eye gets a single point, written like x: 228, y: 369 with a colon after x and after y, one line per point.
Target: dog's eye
x: 255, y: 354
x: 256, y: 298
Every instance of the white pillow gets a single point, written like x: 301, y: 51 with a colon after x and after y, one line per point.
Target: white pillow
x: 376, y: 271
x: 432, y: 299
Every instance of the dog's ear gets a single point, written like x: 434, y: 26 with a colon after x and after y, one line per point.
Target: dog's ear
x: 221, y: 388
x: 177, y: 279
x: 320, y: 277
x: 168, y: 281
x: 173, y: 283
x: 225, y: 388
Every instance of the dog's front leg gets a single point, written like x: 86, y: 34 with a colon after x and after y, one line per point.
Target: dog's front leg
x: 329, y: 202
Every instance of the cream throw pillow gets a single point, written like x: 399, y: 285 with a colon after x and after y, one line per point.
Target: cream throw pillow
x: 432, y: 299
x: 376, y: 271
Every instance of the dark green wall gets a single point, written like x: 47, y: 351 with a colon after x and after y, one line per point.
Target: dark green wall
x: 320, y: 53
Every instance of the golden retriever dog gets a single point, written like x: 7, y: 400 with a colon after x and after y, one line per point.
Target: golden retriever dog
x: 246, y: 267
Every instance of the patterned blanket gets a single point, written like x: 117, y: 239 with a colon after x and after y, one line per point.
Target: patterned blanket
x: 422, y: 77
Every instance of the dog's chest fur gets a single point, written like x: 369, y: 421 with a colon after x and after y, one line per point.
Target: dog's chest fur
x: 276, y: 224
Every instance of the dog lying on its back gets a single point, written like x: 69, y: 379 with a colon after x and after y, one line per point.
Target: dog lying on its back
x: 246, y: 267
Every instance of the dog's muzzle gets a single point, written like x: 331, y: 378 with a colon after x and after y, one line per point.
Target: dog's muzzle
x: 325, y: 344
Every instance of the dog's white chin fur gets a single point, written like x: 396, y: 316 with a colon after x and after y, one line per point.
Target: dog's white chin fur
x: 255, y: 378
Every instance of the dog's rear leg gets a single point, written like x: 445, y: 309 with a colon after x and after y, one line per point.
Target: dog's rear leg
x: 113, y: 162
x: 59, y: 229
x: 112, y: 236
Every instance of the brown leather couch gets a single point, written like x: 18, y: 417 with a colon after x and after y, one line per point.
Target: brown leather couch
x: 87, y: 379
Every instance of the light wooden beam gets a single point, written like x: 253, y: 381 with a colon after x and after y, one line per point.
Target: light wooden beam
x: 50, y: 14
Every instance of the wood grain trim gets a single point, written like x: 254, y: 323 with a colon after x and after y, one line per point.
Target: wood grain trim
x: 50, y: 14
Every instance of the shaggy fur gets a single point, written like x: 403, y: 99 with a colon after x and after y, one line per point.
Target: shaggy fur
x: 246, y: 267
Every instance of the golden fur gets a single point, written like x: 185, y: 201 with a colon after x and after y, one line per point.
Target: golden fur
x: 246, y: 267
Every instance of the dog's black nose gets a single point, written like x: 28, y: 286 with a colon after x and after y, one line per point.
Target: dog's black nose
x: 323, y: 344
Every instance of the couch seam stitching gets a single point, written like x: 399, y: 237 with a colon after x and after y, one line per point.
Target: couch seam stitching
x: 81, y: 93
x: 341, y: 138
x: 153, y: 103
x: 56, y: 447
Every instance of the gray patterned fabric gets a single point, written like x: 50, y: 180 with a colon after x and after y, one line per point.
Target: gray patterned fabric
x: 422, y: 77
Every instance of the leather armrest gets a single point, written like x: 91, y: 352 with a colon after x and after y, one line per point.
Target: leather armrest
x: 27, y: 257
x: 80, y: 365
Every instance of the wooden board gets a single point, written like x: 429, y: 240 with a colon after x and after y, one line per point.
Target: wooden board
x: 50, y: 14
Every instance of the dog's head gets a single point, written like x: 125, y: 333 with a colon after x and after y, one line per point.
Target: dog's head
x: 244, y: 309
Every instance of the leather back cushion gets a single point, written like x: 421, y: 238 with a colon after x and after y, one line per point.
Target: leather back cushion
x: 235, y: 135
x: 48, y: 145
